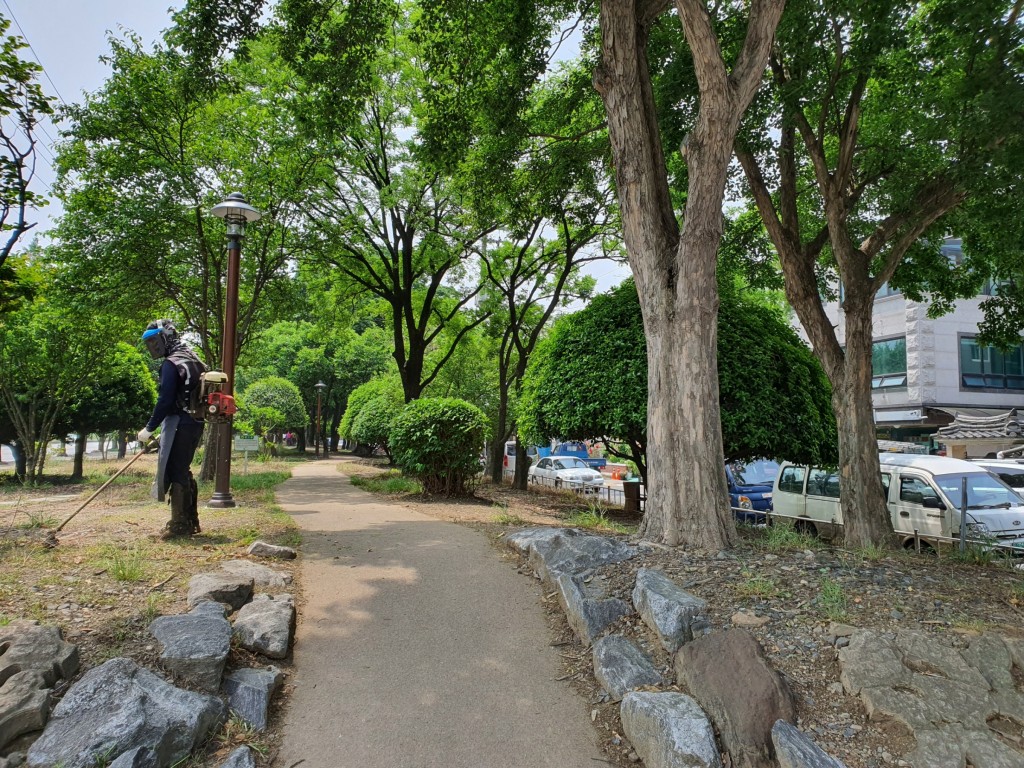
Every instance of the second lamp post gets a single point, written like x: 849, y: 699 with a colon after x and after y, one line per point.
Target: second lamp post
x: 236, y: 213
x: 320, y: 387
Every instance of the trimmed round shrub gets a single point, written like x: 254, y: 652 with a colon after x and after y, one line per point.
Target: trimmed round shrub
x: 372, y: 425
x: 437, y: 440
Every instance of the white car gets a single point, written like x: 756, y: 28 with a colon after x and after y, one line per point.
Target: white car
x: 566, y: 472
x: 1010, y: 471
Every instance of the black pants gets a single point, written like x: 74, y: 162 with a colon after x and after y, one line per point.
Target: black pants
x: 186, y: 440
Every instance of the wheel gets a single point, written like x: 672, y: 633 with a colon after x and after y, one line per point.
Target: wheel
x: 806, y: 527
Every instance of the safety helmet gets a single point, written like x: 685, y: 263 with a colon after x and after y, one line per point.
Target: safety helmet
x: 158, y: 337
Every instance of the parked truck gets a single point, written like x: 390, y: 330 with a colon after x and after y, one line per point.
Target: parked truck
x: 575, y: 448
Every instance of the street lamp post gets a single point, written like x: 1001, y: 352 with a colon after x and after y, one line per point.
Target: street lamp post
x: 320, y: 387
x: 236, y: 213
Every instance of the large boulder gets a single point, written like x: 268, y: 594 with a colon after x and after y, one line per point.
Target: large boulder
x: 621, y: 667
x: 117, y: 707
x: 220, y: 587
x: 587, y: 610
x: 249, y: 692
x: 675, y: 615
x: 729, y: 675
x: 669, y: 730
x: 261, y: 575
x: 794, y: 750
x: 552, y: 551
x: 24, y: 705
x: 28, y: 645
x: 961, y: 703
x: 196, y: 645
x: 266, y: 625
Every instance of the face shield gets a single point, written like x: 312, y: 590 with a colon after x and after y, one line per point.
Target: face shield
x: 156, y: 343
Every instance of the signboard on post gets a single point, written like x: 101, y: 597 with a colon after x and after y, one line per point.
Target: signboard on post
x: 247, y: 443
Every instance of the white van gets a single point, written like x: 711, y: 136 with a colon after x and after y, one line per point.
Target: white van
x: 924, y: 494
x: 509, y: 460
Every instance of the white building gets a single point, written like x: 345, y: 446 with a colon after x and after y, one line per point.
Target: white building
x: 926, y: 371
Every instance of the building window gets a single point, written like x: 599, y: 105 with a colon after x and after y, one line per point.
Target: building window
x: 889, y: 363
x: 886, y: 290
x: 989, y: 368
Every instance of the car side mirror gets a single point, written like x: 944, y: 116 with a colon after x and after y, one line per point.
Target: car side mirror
x: 932, y: 502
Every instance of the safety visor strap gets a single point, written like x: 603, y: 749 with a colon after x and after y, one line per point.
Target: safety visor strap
x: 150, y: 333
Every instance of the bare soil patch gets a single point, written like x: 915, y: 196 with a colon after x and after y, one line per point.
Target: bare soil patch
x: 110, y: 575
x: 800, y: 587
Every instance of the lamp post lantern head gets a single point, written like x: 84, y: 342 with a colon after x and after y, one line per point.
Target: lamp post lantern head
x: 236, y: 212
x: 320, y: 386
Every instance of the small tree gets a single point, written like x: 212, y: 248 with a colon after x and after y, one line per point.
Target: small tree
x: 774, y: 396
x: 438, y: 441
x: 389, y: 386
x: 118, y: 397
x: 272, y: 404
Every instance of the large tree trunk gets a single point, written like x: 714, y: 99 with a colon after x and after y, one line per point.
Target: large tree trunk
x: 19, y: 460
x: 78, y: 471
x: 122, y: 444
x: 687, y: 501
x: 865, y: 513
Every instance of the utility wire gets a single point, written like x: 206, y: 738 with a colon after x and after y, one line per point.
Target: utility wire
x: 38, y: 60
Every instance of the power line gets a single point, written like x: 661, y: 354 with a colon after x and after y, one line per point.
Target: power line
x: 38, y: 60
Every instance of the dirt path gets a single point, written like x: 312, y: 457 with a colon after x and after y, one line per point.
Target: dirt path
x: 416, y: 646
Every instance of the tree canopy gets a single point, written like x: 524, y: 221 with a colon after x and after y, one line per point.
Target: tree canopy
x: 774, y: 395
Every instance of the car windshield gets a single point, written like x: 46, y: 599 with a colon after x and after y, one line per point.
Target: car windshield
x: 571, y: 463
x: 760, y: 472
x: 984, y: 491
x: 1012, y: 476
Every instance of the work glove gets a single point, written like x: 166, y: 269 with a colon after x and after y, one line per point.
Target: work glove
x: 144, y: 435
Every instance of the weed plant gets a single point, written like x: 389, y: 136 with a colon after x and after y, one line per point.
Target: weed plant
x: 126, y: 564
x: 595, y: 518
x: 390, y: 483
x: 783, y: 537
x: 832, y: 599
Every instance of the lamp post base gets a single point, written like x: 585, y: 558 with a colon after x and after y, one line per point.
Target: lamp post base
x: 221, y: 501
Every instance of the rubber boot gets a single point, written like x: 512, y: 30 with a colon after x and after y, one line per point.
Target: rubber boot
x: 180, y: 524
x: 193, y: 507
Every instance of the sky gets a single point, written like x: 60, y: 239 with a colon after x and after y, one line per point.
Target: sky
x: 68, y: 37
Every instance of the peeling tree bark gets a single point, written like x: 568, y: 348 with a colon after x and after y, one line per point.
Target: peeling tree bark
x: 675, y: 272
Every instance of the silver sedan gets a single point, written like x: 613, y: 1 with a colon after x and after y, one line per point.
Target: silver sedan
x: 566, y: 472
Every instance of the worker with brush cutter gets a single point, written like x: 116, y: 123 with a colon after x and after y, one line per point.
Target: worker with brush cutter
x: 178, y: 402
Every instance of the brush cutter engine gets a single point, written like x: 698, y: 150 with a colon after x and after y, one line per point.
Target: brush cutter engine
x: 215, y: 404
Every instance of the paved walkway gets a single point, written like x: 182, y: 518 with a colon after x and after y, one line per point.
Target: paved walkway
x: 417, y: 647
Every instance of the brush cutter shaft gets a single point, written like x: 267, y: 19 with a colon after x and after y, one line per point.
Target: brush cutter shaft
x: 103, y: 487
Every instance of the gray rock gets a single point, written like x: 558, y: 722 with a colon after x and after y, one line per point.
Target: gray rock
x: 240, y: 758
x: 119, y: 706
x: 261, y: 575
x: 795, y: 750
x: 588, y: 614
x: 262, y: 549
x: 669, y: 730
x: 266, y: 625
x: 959, y: 703
x: 196, y: 645
x: 729, y: 676
x: 140, y: 757
x: 219, y: 587
x: 28, y: 645
x: 621, y: 667
x: 13, y: 760
x: 674, y: 614
x: 24, y: 705
x: 552, y: 551
x: 249, y: 692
